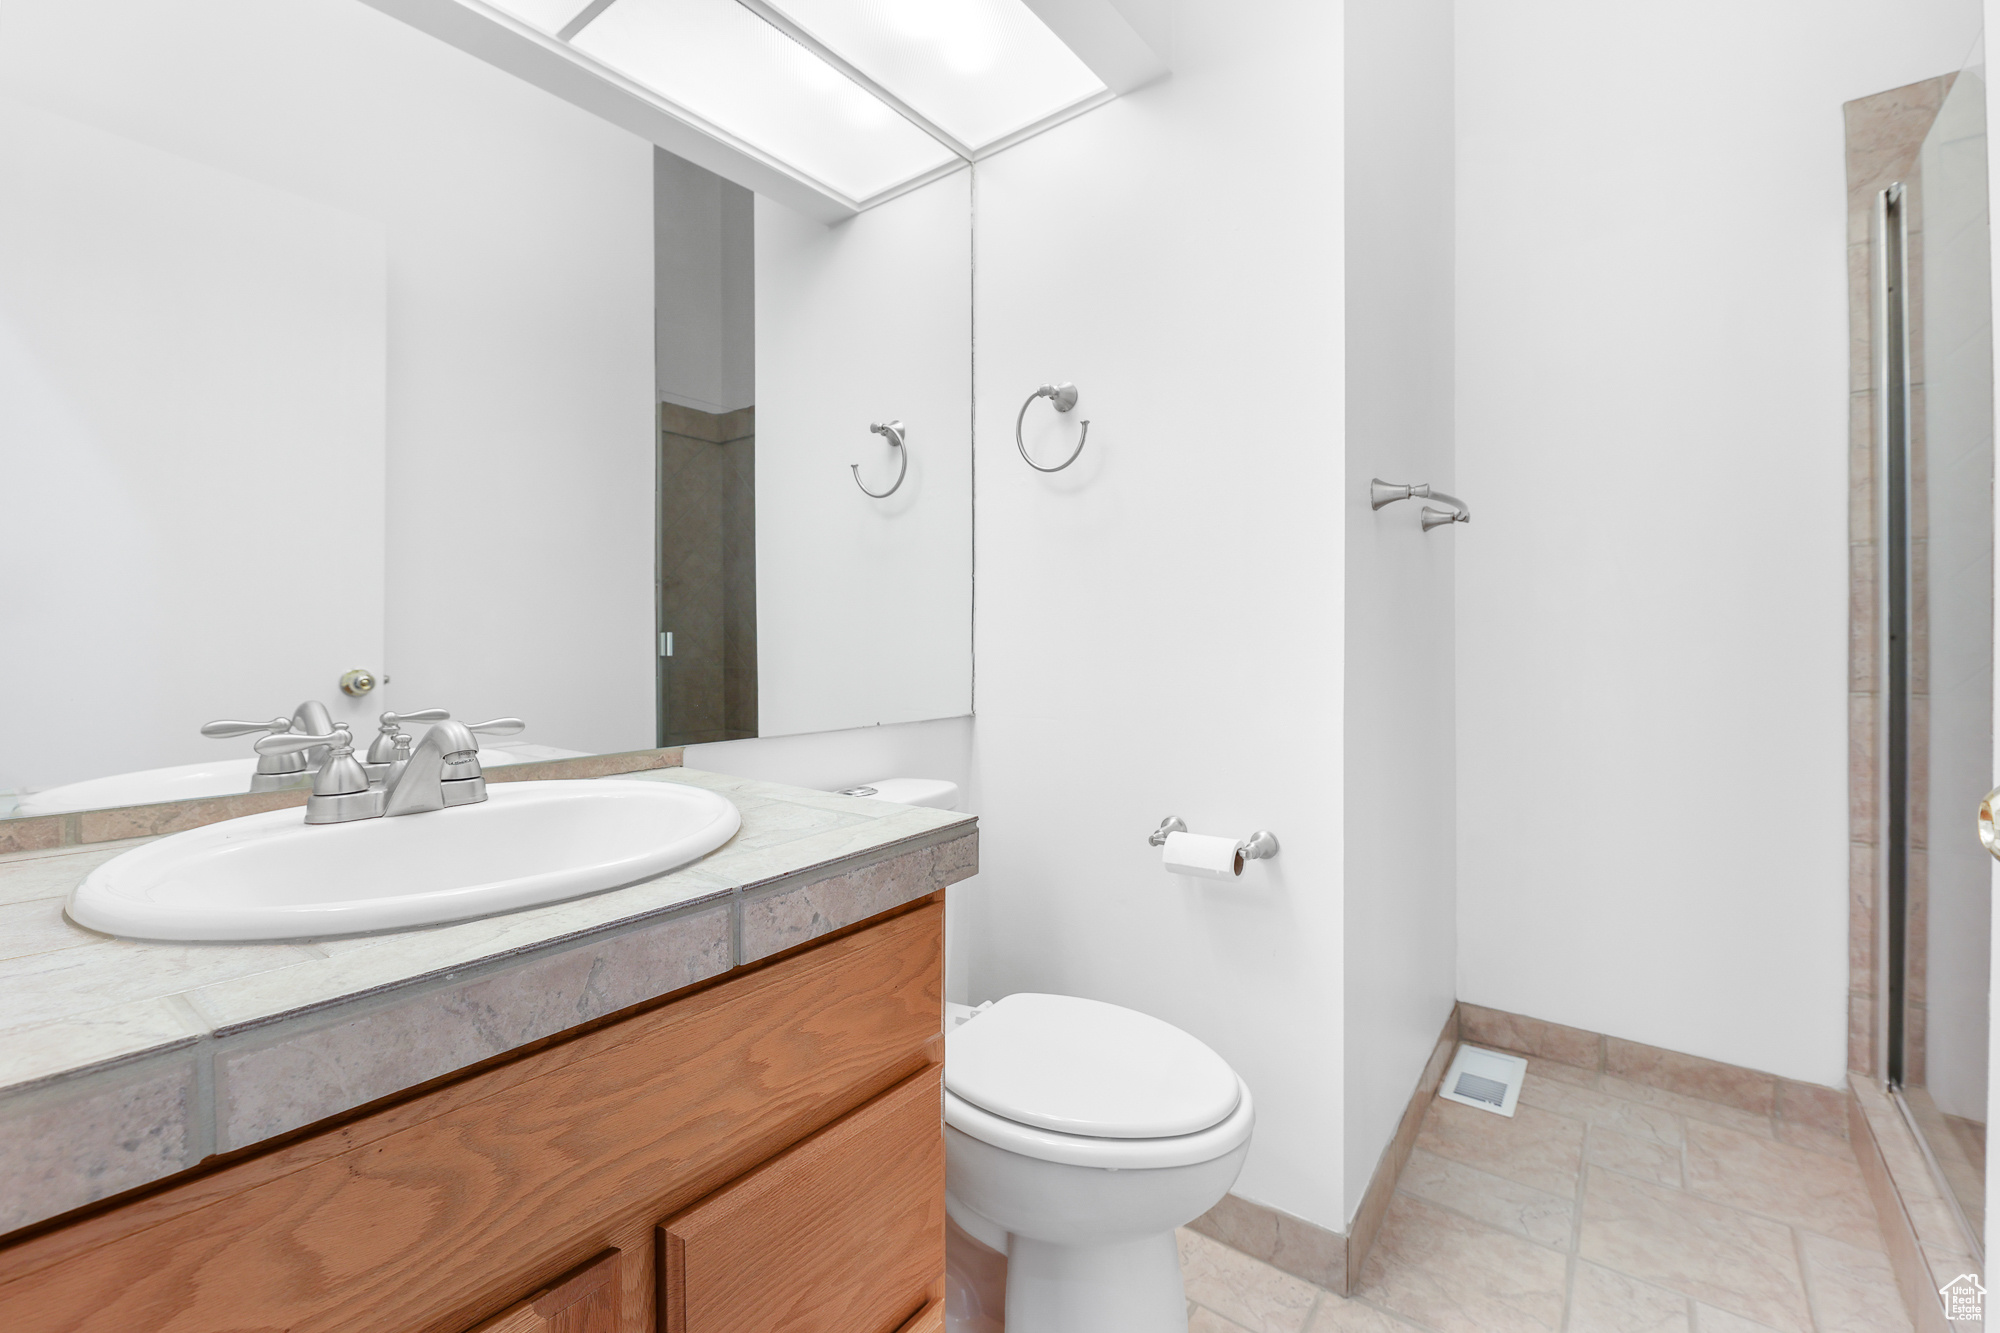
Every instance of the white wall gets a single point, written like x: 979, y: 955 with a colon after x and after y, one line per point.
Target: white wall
x: 1651, y: 405
x: 160, y: 322
x: 520, y: 372
x: 1400, y: 728
x: 1159, y: 627
x: 704, y: 269
x: 864, y: 606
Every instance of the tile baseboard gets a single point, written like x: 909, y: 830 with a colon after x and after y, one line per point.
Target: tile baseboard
x: 1805, y: 1104
x: 1922, y: 1237
x: 1322, y: 1256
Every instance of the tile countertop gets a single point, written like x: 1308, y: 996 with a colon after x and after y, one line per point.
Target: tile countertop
x: 124, y: 1061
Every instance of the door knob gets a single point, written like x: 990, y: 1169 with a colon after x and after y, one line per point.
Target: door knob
x: 1988, y: 836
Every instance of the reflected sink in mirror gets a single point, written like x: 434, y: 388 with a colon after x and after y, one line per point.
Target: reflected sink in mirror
x: 273, y: 877
x: 220, y: 777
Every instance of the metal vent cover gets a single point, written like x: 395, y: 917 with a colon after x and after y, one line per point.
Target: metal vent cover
x: 1485, y: 1080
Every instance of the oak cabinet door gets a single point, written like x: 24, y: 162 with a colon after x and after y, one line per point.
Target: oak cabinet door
x: 584, y: 1302
x: 841, y: 1233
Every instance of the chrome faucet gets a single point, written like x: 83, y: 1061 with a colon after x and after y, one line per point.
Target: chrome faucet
x: 276, y: 772
x: 440, y: 770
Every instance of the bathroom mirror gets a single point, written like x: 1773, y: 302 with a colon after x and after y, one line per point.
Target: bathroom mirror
x: 327, y: 348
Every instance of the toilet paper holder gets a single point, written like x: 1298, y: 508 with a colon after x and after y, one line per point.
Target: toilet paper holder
x: 1259, y: 846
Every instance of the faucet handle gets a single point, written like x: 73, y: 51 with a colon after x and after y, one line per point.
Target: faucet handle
x: 340, y: 738
x: 382, y: 750
x: 499, y: 726
x: 391, y: 721
x: 225, y: 728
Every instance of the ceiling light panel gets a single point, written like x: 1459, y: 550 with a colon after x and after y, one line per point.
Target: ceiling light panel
x: 979, y: 69
x: 548, y: 15
x: 726, y: 65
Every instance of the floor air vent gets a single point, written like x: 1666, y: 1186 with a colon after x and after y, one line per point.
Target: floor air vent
x: 1484, y: 1079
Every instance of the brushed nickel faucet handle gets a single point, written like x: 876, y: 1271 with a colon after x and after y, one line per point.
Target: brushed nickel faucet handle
x: 499, y: 726
x: 390, y: 721
x: 382, y: 750
x: 290, y: 742
x: 224, y: 728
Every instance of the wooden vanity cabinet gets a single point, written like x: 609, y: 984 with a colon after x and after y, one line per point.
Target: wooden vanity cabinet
x: 763, y: 1154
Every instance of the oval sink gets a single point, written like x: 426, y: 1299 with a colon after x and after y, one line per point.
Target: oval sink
x: 273, y: 877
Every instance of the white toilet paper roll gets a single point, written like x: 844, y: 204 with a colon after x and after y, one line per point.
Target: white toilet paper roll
x: 1201, y: 854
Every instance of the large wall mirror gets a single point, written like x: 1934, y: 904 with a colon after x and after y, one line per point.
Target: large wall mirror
x: 326, y: 347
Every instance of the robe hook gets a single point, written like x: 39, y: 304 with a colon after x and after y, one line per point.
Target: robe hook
x: 893, y: 431
x: 1063, y: 396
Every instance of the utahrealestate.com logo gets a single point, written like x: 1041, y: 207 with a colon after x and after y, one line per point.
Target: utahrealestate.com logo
x: 1964, y: 1300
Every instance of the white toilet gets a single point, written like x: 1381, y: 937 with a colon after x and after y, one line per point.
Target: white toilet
x: 1078, y: 1135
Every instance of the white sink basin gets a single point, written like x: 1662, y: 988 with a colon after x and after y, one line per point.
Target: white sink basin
x: 273, y: 877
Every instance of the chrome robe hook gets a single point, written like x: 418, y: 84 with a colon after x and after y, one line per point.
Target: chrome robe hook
x: 893, y: 430
x: 1064, y: 398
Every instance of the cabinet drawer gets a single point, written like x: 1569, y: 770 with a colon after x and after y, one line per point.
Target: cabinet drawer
x: 584, y: 1302
x: 433, y: 1214
x: 843, y: 1233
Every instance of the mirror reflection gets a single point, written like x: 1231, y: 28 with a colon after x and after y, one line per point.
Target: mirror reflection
x: 364, y: 383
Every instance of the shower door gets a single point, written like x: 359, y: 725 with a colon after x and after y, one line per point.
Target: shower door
x: 1939, y: 433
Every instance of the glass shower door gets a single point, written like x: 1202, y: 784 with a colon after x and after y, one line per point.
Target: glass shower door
x: 1938, y: 1056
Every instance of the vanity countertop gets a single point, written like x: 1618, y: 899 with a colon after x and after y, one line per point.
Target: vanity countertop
x: 124, y: 1061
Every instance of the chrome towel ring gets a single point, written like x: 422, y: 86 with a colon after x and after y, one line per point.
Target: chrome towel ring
x: 893, y: 430
x: 1064, y: 398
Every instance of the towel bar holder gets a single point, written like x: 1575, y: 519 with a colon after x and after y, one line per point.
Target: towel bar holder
x: 1382, y: 492
x: 1063, y: 396
x: 893, y: 431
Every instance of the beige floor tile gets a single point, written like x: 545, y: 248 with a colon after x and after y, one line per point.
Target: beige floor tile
x: 1602, y: 1301
x: 1708, y: 1319
x: 1546, y: 1219
x: 1561, y: 1073
x: 1202, y: 1320
x: 1807, y: 1189
x: 1644, y: 1158
x: 1713, y: 1113
x: 1453, y: 1275
x: 1338, y: 1316
x: 1819, y: 1140
x: 1852, y: 1290
x: 1245, y: 1291
x: 1727, y: 1258
x: 1532, y: 1148
x: 1597, y: 1109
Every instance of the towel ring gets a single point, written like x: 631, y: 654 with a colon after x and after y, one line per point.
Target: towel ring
x: 1064, y: 398
x: 894, y: 431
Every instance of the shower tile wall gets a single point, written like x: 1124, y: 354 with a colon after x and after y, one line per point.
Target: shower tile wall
x: 708, y: 574
x: 1885, y: 134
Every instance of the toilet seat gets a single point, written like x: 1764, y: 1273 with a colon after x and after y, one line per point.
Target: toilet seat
x: 1065, y: 1079
x: 1047, y: 1145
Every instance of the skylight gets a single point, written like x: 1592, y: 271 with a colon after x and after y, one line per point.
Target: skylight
x: 860, y: 97
x: 728, y: 66
x: 978, y: 69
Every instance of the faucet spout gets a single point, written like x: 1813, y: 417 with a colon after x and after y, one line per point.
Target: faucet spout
x: 443, y: 770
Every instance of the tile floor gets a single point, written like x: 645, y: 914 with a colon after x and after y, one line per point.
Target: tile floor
x: 1601, y: 1207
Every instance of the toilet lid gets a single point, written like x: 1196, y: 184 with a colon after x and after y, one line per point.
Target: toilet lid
x: 1085, y: 1067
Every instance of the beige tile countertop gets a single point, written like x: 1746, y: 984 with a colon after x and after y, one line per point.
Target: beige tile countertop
x: 124, y: 1061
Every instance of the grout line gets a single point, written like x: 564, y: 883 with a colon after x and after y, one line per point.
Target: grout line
x: 1575, y: 1255
x: 1805, y: 1282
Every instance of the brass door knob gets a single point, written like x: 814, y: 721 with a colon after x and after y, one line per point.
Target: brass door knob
x: 1987, y: 836
x: 357, y: 682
